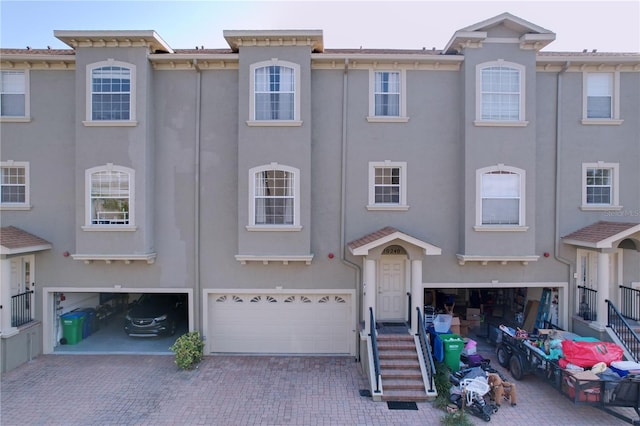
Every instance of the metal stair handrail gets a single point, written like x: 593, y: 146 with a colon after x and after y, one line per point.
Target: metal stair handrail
x: 619, y: 325
x: 426, y: 351
x: 374, y: 347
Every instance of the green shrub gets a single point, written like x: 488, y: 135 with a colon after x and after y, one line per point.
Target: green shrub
x: 188, y: 349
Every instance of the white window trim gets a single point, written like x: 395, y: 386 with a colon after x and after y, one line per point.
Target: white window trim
x: 27, y: 200
x: 26, y: 118
x: 402, y: 118
x: 500, y: 123
x: 89, y: 122
x: 615, y: 187
x: 402, y: 205
x: 296, y: 201
x: 131, y: 226
x: 296, y: 122
x: 522, y: 227
x: 615, y: 113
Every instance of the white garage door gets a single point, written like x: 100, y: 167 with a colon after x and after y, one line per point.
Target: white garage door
x: 281, y: 323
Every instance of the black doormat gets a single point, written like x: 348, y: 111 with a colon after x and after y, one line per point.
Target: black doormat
x: 365, y: 392
x: 402, y: 405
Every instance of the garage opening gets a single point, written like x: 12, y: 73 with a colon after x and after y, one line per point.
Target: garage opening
x: 91, y: 322
x: 478, y: 312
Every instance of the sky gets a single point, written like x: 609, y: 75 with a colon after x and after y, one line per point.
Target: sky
x: 608, y: 26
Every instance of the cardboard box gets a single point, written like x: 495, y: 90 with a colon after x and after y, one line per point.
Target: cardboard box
x: 455, y: 325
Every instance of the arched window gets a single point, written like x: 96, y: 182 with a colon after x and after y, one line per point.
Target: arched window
x: 110, y: 196
x: 275, y: 193
x: 111, y: 91
x: 275, y: 91
x: 500, y: 196
x: 500, y: 92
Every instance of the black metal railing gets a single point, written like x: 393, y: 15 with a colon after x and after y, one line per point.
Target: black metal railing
x: 426, y: 352
x: 374, y: 347
x: 630, y: 303
x: 409, y: 309
x: 588, y: 303
x: 21, y: 308
x: 620, y: 326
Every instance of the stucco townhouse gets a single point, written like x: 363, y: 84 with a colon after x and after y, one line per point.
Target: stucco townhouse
x: 293, y: 192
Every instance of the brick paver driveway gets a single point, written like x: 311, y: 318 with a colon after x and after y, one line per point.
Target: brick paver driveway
x: 235, y: 390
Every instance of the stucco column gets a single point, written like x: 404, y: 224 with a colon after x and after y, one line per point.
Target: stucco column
x: 369, y: 289
x: 603, y: 288
x: 417, y: 293
x: 5, y: 299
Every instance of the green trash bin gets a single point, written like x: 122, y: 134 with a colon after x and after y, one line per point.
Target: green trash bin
x: 72, y: 324
x: 453, y: 346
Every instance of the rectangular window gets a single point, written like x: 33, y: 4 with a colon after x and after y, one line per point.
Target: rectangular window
x: 500, y: 198
x: 600, y: 95
x: 387, y: 185
x: 12, y: 94
x: 14, y: 185
x: 274, y: 88
x: 274, y: 197
x: 500, y: 93
x: 599, y: 184
x: 111, y: 93
x: 386, y: 93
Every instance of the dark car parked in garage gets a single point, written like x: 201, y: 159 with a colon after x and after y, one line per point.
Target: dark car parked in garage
x: 155, y: 314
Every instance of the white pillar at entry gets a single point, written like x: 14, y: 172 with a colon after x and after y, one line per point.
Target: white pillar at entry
x: 5, y: 299
x: 369, y: 289
x: 417, y: 293
x: 603, y: 288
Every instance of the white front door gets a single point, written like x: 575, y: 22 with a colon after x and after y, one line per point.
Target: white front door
x: 21, y: 277
x: 392, y: 291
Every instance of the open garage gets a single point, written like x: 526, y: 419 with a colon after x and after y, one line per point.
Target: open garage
x: 281, y: 323
x: 114, y: 322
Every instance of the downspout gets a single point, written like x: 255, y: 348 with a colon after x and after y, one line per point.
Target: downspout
x: 343, y: 202
x: 197, y: 302
x: 556, y: 253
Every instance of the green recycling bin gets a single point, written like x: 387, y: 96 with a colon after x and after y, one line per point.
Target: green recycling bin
x: 453, y: 346
x: 72, y: 324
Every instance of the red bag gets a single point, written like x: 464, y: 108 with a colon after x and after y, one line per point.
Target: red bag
x: 588, y: 354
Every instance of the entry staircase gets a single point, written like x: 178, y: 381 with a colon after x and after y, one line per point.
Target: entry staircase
x: 624, y: 324
x: 400, y: 369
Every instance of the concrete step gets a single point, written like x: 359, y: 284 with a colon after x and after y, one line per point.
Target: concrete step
x: 398, y: 355
x: 405, y: 395
x: 410, y: 384
x: 399, y: 363
x: 409, y: 374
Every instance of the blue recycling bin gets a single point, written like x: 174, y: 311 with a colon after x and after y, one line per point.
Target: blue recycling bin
x: 90, y: 324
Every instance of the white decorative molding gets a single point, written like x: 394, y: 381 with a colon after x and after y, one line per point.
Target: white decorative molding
x: 265, y: 259
x: 503, y: 260
x: 150, y: 258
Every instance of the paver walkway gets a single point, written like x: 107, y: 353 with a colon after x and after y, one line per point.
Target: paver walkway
x: 236, y: 390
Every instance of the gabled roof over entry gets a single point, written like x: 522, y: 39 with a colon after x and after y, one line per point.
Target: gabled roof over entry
x: 602, y: 234
x: 361, y: 246
x: 16, y: 241
x: 531, y: 36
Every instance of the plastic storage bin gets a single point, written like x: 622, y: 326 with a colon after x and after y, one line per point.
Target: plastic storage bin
x: 442, y: 323
x: 453, y: 345
x: 72, y: 324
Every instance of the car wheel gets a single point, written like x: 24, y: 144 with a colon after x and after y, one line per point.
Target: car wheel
x: 515, y: 365
x: 503, y: 355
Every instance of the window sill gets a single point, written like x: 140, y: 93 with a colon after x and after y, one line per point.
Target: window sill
x: 110, y: 228
x: 244, y: 258
x: 274, y: 123
x: 376, y: 119
x: 379, y: 207
x: 17, y: 207
x: 494, y: 123
x: 110, y: 123
x: 15, y: 119
x: 273, y: 228
x: 601, y: 122
x: 150, y: 258
x: 500, y: 228
x: 600, y: 208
